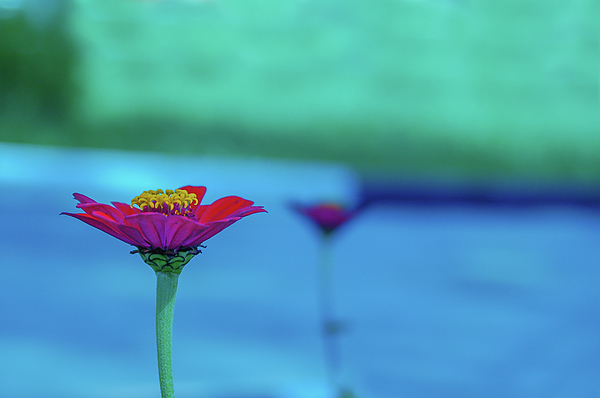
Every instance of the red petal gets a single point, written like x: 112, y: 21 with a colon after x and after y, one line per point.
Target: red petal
x: 200, y: 210
x: 246, y: 211
x: 199, y: 191
x: 125, y: 208
x: 223, y: 207
x: 153, y: 227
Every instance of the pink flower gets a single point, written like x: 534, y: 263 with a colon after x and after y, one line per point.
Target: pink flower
x: 168, y: 221
x: 327, y: 216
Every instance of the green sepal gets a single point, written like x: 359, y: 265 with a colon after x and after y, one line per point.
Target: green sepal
x: 167, y: 261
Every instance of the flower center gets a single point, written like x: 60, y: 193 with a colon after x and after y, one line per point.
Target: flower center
x: 171, y: 202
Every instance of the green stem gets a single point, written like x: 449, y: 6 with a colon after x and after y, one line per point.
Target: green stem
x: 166, y: 289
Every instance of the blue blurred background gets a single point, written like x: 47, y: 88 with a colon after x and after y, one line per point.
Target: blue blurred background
x: 467, y: 131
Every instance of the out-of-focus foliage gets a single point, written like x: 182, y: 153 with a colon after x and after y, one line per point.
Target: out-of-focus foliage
x: 36, y: 69
x: 416, y: 86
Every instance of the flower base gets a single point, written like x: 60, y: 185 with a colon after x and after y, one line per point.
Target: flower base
x: 167, y: 260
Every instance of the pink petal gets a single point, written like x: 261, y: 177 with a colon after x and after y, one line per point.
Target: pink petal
x: 153, y: 227
x: 213, y: 229
x: 181, y: 229
x: 102, y: 211
x: 104, y: 226
x: 83, y: 199
x: 246, y: 211
x: 134, y: 235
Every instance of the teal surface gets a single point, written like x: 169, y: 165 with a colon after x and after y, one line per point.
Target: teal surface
x: 439, y: 302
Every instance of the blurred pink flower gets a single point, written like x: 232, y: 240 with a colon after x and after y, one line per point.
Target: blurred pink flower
x: 327, y: 216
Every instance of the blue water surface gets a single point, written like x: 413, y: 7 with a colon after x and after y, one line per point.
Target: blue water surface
x: 437, y: 301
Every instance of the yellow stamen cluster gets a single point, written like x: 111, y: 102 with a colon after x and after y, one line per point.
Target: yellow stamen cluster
x: 170, y: 202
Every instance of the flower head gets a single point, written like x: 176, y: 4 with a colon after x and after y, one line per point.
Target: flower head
x: 167, y: 227
x: 327, y: 216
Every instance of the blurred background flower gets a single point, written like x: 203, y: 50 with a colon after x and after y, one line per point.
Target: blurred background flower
x: 326, y: 216
x: 467, y: 131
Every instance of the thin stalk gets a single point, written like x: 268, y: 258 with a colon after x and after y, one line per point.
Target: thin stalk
x: 166, y: 289
x: 328, y: 322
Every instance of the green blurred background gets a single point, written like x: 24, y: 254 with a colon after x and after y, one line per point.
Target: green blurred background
x: 471, y: 88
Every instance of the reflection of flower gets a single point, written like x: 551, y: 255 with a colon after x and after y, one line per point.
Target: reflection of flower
x: 327, y: 216
x: 165, y: 223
